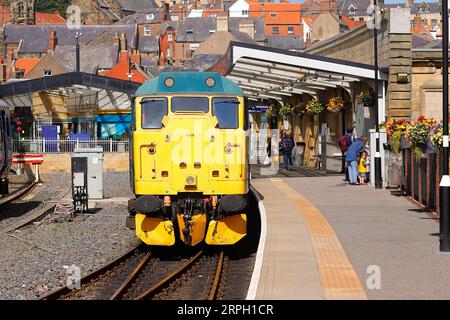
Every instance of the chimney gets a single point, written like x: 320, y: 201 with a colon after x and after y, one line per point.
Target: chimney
x: 417, y: 22
x: 247, y: 27
x: 308, y: 40
x: 116, y: 39
x: 222, y: 21
x: 409, y: 3
x: 166, y: 11
x: 324, y: 6
x: 123, y: 42
x: 136, y: 57
x: 52, y: 41
x: 183, y: 12
x: 3, y: 72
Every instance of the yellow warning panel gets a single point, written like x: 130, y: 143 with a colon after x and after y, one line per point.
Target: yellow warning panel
x: 197, y: 226
x: 227, y: 230
x: 155, y: 231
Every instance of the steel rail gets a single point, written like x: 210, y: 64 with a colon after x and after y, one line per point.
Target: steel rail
x: 131, y: 277
x: 96, y: 274
x: 215, y: 286
x: 18, y: 194
x: 153, y: 290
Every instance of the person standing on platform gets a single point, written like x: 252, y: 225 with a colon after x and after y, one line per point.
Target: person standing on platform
x: 362, y: 168
x: 352, y: 156
x: 286, y: 146
x: 345, y: 142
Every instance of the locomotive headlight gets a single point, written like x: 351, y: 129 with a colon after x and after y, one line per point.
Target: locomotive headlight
x: 152, y: 149
x: 169, y: 82
x: 210, y: 82
x: 191, y: 180
x: 228, y: 149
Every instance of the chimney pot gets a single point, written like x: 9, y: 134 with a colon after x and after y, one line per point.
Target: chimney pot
x: 247, y: 27
x: 52, y: 41
x: 222, y: 21
x: 123, y: 42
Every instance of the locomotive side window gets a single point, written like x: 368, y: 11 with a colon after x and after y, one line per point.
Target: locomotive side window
x: 189, y: 104
x: 226, y: 111
x: 153, y: 112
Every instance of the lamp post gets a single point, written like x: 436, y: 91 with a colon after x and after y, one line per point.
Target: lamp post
x: 444, y: 187
x: 77, y: 51
x: 378, y: 177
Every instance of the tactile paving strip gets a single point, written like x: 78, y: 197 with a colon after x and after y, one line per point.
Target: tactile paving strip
x: 339, y: 279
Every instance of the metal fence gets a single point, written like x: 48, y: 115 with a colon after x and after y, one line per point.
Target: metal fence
x: 421, y: 177
x: 59, y: 146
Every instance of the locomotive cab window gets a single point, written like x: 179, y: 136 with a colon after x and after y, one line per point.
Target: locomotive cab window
x: 226, y: 111
x: 153, y: 112
x: 190, y: 104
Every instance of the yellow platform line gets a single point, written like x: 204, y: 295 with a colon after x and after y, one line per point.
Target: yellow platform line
x: 339, y: 279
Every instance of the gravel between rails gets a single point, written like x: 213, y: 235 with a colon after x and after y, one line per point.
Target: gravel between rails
x: 32, y: 259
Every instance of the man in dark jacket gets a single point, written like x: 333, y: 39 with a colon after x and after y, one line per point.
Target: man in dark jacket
x: 352, y: 155
x: 286, y: 146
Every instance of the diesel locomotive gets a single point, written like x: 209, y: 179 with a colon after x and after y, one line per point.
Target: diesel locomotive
x: 189, y: 166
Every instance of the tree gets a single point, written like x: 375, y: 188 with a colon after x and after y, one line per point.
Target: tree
x: 50, y: 6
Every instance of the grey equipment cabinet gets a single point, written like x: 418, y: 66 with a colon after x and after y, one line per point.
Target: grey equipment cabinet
x: 94, y: 170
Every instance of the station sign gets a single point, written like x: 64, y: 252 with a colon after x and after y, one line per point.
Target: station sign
x: 254, y: 109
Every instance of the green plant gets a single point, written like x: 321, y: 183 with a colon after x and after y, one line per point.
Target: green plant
x: 335, y: 104
x: 418, y: 132
x: 299, y: 109
x: 314, y: 107
x: 271, y: 112
x: 22, y: 148
x: 285, y: 110
x: 366, y: 98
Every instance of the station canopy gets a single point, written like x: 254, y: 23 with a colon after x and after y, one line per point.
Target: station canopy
x: 264, y: 72
x: 84, y: 92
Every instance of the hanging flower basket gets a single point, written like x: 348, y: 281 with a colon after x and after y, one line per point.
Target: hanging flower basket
x: 366, y: 98
x: 271, y: 113
x: 299, y: 109
x: 335, y: 104
x: 314, y: 107
x: 285, y: 111
x: 418, y: 133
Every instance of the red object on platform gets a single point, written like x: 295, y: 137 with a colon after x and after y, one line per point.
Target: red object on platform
x: 28, y: 158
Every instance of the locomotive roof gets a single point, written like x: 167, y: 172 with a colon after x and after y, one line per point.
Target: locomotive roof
x: 189, y: 82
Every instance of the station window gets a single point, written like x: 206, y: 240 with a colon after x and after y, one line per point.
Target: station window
x: 47, y: 73
x: 273, y: 15
x: 290, y: 30
x: 153, y: 111
x: 275, y: 30
x: 147, y: 31
x: 187, y: 104
x: 226, y: 112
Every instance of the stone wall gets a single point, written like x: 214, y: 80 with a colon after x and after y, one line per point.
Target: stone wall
x: 394, y: 52
x: 355, y: 45
x: 60, y: 162
x: 427, y: 83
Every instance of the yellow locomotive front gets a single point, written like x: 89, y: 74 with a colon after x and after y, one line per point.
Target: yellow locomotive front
x: 189, y: 166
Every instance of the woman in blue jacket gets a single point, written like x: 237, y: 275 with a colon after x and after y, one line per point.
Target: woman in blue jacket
x: 352, y: 158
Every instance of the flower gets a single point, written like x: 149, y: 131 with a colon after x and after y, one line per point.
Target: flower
x: 335, y: 104
x: 314, y: 107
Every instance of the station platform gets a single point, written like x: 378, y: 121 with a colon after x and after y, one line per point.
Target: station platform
x: 325, y: 239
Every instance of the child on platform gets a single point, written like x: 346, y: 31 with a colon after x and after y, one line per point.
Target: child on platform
x: 362, y: 168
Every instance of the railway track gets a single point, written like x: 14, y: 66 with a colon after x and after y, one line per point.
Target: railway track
x: 143, y: 274
x: 18, y: 194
